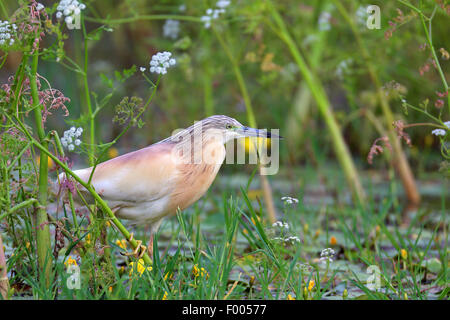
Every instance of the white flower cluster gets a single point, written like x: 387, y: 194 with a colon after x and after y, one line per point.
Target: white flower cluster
x: 304, y: 267
x: 70, y: 9
x: 289, y: 200
x: 171, y: 29
x: 291, y: 239
x: 361, y: 15
x: 223, y: 4
x: 7, y: 31
x: 343, y: 68
x: 441, y: 132
x: 70, y: 138
x: 327, y: 255
x: 39, y: 6
x: 212, y: 14
x: 281, y: 225
x: 161, y: 61
x: 438, y: 132
x: 324, y: 21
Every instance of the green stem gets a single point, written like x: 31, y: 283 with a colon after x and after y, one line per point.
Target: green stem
x: 88, y: 97
x: 18, y: 207
x: 430, y: 44
x: 144, y: 17
x: 42, y: 228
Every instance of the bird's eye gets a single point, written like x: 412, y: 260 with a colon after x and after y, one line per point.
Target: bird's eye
x: 229, y: 126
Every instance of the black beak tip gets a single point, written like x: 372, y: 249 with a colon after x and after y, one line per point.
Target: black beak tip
x: 269, y: 135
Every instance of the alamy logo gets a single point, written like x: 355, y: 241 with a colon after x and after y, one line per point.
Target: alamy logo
x: 74, y: 23
x: 74, y: 280
x: 374, y: 18
x: 374, y: 280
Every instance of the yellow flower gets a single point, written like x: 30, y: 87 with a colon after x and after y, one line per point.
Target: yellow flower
x: 113, y: 152
x: 88, y: 239
x: 70, y: 261
x: 122, y: 243
x: 196, y: 271
x: 110, y: 289
x: 27, y: 245
x: 252, y: 280
x: 404, y: 254
x: 333, y: 241
x: 253, y: 220
x: 140, y: 267
x: 311, y: 285
x: 165, y: 295
x: 168, y: 275
x: 306, y: 228
x: 345, y: 294
x: 316, y: 235
x: 289, y: 297
x: 108, y: 224
x: 377, y: 230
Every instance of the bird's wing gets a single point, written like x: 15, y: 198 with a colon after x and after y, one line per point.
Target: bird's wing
x: 140, y: 176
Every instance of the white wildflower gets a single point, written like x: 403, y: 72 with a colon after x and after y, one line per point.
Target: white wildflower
x: 327, y: 255
x: 289, y: 200
x: 343, y: 68
x: 281, y: 225
x: 211, y: 14
x: 292, y: 239
x: 361, y: 15
x: 142, y: 69
x: 324, y: 21
x: 39, y: 7
x: 70, y: 138
x: 70, y: 9
x: 161, y: 61
x: 447, y: 124
x: 438, y: 132
x: 223, y: 4
x: 171, y: 29
x: 182, y: 7
x: 7, y: 33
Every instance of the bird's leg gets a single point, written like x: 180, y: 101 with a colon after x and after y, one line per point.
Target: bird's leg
x: 140, y: 249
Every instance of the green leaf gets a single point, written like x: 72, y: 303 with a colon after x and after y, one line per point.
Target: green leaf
x: 433, y: 265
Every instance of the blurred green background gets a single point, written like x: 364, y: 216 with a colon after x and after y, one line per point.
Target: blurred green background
x: 203, y: 82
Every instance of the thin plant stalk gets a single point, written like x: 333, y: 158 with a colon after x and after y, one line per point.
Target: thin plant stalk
x: 43, y: 242
x: 91, y: 116
x: 318, y: 92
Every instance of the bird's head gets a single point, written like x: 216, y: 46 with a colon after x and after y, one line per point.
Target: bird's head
x: 230, y: 129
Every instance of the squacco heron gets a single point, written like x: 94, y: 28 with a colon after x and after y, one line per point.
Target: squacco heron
x: 152, y: 183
